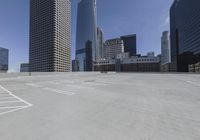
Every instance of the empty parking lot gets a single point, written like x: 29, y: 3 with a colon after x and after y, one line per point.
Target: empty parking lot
x: 94, y: 106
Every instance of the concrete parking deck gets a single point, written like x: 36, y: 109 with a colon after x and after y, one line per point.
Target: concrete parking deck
x: 94, y: 106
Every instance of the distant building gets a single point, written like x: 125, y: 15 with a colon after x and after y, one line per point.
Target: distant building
x: 105, y: 65
x: 86, y: 30
x: 130, y: 44
x: 151, y: 54
x: 100, y: 42
x: 194, y: 67
x: 4, y: 58
x: 133, y: 64
x: 123, y: 55
x: 24, y: 67
x: 50, y: 36
x: 113, y: 47
x: 184, y: 33
x: 165, y: 48
x: 88, y: 56
x: 75, y: 65
x: 166, y: 65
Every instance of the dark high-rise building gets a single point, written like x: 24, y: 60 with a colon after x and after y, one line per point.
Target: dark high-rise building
x: 50, y: 35
x: 88, y: 56
x: 185, y: 33
x: 24, y: 67
x: 86, y: 30
x: 130, y: 44
x: 75, y: 65
x: 4, y: 56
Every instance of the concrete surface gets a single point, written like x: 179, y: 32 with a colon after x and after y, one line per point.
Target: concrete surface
x: 94, y: 106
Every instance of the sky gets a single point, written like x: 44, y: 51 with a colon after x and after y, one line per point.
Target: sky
x: 146, y: 18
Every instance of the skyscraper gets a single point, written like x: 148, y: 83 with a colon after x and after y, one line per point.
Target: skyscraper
x: 130, y: 44
x: 113, y: 47
x: 88, y: 56
x: 86, y: 30
x: 100, y: 42
x: 165, y: 48
x: 4, y: 54
x: 185, y: 33
x: 50, y: 35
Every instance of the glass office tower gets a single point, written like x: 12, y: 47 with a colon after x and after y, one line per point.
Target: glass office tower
x: 86, y: 30
x: 4, y: 54
x: 130, y: 44
x: 185, y: 33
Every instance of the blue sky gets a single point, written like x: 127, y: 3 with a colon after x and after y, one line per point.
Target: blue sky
x: 146, y: 18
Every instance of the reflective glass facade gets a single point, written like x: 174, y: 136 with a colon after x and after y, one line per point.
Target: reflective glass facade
x: 86, y: 30
x: 130, y: 44
x: 4, y: 59
x: 185, y: 33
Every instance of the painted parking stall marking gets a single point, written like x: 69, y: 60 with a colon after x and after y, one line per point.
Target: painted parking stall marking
x: 10, y: 102
x: 69, y: 88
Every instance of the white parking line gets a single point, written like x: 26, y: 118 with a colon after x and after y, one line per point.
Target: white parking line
x: 80, y: 87
x: 94, y: 84
x: 15, y: 96
x: 59, y: 91
x: 8, y: 97
x: 32, y: 85
x: 187, y: 81
x: 3, y: 102
x: 12, y: 108
x: 193, y: 83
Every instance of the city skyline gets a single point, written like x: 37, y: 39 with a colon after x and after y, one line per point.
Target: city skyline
x: 143, y: 20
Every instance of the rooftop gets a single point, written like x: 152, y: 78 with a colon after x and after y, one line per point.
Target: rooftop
x: 94, y: 106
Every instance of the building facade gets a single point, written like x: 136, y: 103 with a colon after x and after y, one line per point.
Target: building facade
x: 130, y: 44
x: 194, y: 67
x: 4, y: 58
x: 50, y: 35
x: 150, y: 54
x: 165, y: 48
x: 88, y: 56
x: 86, y: 30
x: 24, y: 67
x: 185, y: 33
x: 75, y: 65
x: 100, y: 42
x: 112, y: 48
x: 123, y: 55
x: 133, y: 64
